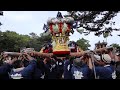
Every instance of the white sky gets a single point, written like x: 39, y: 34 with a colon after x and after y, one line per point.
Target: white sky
x: 25, y: 22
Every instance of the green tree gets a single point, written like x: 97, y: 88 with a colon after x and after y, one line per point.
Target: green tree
x: 33, y: 35
x: 37, y: 42
x: 100, y: 22
x: 12, y: 41
x: 83, y: 44
x: 1, y: 14
x: 42, y: 40
x: 115, y: 45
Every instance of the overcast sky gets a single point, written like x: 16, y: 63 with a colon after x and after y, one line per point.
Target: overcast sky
x: 25, y: 22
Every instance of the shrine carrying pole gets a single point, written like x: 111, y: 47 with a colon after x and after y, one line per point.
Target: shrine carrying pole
x: 77, y: 54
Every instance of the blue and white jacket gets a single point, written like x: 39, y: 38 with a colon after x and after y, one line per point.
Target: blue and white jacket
x: 67, y: 69
x: 105, y: 72
x: 81, y: 72
x: 4, y: 70
x: 24, y: 72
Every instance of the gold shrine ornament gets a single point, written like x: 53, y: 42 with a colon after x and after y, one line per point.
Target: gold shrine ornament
x: 60, y: 45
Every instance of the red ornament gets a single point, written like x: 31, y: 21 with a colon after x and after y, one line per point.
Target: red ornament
x: 51, y: 28
x: 61, y: 52
x: 68, y: 25
x: 60, y: 25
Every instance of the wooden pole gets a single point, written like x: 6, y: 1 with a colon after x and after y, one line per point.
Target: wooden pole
x: 77, y: 54
x: 101, y: 50
x: 12, y: 53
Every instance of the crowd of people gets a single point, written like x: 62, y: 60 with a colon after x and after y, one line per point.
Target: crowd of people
x: 88, y: 66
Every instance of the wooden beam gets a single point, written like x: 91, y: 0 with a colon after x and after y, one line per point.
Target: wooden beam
x: 78, y: 54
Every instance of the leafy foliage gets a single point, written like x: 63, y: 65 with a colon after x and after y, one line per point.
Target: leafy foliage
x: 83, y: 44
x: 37, y: 42
x: 99, y: 22
x: 1, y: 14
x: 12, y: 41
x: 116, y: 46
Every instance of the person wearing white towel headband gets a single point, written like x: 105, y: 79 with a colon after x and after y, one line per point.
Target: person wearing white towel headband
x: 105, y: 70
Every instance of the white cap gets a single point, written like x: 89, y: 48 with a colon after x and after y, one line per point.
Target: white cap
x: 97, y: 57
x: 106, y: 58
x: 117, y: 53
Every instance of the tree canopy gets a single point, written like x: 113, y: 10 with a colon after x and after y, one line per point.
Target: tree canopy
x: 100, y: 22
x: 116, y: 46
x: 1, y: 14
x: 12, y: 41
x: 37, y: 42
x: 83, y: 44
